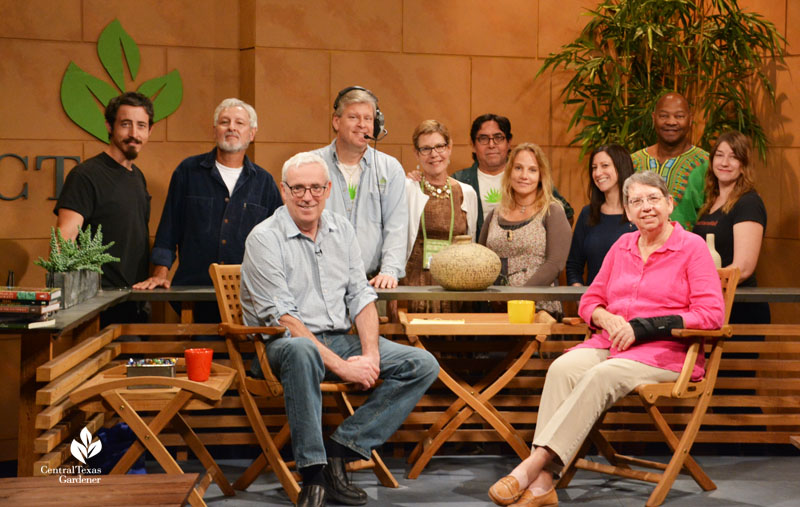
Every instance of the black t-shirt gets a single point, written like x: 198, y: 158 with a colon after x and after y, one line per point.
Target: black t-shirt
x: 749, y: 208
x: 108, y: 194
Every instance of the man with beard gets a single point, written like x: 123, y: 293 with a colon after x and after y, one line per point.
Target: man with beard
x: 682, y: 165
x: 108, y: 190
x: 490, y: 135
x: 213, y: 202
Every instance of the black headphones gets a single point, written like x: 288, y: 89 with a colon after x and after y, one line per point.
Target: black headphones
x: 378, y: 122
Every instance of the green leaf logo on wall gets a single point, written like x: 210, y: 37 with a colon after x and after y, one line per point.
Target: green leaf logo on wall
x: 81, y: 92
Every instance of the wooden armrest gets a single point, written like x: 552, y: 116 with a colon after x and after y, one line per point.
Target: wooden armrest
x: 725, y: 331
x: 241, y: 329
x: 573, y: 321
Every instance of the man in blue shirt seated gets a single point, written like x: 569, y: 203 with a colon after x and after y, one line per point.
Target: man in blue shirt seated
x: 214, y: 200
x: 302, y: 269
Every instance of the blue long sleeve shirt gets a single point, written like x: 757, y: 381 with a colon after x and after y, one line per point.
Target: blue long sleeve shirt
x: 379, y: 213
x: 284, y: 272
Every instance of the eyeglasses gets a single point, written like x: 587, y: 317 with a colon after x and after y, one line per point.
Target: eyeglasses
x: 299, y: 191
x: 638, y: 202
x: 484, y: 139
x: 426, y: 150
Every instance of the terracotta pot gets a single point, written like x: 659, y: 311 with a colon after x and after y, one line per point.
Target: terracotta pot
x: 465, y: 265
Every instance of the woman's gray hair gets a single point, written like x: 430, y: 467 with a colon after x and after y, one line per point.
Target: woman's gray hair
x: 234, y: 102
x: 304, y: 158
x: 647, y: 178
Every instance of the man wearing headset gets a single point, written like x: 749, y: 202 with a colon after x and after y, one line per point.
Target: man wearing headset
x: 368, y: 186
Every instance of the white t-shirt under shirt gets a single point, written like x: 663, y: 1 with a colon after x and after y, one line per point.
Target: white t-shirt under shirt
x: 352, y: 174
x: 229, y: 175
x: 490, y: 192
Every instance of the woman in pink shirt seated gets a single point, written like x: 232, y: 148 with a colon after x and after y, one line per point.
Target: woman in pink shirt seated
x: 652, y: 280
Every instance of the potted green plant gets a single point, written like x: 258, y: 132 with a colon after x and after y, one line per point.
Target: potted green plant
x: 631, y: 51
x: 76, y: 267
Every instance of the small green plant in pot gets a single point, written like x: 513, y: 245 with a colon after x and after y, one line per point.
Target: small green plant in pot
x: 76, y: 267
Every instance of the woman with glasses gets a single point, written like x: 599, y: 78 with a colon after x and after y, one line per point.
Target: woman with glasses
x: 652, y: 280
x: 603, y: 220
x: 735, y: 214
x: 440, y: 208
x: 529, y: 230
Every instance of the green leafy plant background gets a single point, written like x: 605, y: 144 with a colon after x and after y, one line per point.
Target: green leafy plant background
x: 81, y: 92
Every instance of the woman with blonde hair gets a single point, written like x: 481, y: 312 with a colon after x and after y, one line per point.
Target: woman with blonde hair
x: 529, y: 229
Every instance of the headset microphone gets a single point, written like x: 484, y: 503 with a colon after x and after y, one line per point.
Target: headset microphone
x: 377, y: 138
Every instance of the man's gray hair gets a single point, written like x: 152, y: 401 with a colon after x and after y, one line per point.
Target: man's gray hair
x: 356, y: 97
x: 234, y: 102
x: 647, y: 178
x: 304, y: 158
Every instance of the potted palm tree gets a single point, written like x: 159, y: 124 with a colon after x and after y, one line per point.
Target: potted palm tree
x: 76, y: 267
x: 631, y: 51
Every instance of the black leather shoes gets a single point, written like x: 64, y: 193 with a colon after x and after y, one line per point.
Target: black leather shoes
x: 338, y: 487
x: 312, y: 495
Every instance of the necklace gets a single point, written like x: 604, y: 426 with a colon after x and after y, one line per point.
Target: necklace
x: 438, y: 192
x: 522, y: 207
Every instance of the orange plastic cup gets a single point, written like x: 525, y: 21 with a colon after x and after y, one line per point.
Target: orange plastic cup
x: 198, y: 363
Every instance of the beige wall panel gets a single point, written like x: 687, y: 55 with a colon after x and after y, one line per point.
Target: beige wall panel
x: 781, y: 122
x: 772, y: 10
x: 31, y: 217
x: 560, y: 22
x: 199, y: 23
x: 292, y: 93
x: 271, y: 156
x: 568, y: 175
x: 410, y: 88
x: 362, y: 25
x: 560, y: 114
x: 507, y: 87
x: 790, y: 204
x: 18, y: 255
x: 209, y: 76
x: 792, y: 27
x: 247, y: 23
x: 37, y: 68
x: 41, y: 19
x: 470, y: 27
x: 768, y: 177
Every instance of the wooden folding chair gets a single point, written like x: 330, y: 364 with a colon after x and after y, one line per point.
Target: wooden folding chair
x: 682, y: 389
x: 227, y: 280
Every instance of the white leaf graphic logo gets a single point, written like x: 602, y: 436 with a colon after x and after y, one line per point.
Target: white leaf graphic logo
x: 86, y: 450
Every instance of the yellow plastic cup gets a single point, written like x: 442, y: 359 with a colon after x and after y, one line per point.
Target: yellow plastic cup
x: 521, y: 311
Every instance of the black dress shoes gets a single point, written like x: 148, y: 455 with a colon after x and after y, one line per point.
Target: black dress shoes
x: 312, y: 495
x: 338, y: 487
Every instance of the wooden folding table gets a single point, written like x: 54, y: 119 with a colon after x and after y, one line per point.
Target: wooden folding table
x: 108, y: 390
x: 474, y: 398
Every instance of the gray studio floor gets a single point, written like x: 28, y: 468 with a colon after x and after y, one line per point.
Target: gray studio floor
x: 464, y: 480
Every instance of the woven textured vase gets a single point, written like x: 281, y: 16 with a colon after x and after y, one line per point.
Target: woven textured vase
x: 465, y: 265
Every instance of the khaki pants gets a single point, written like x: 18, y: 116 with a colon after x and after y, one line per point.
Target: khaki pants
x: 580, y: 386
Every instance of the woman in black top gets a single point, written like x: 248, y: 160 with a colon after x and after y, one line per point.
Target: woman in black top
x: 734, y: 212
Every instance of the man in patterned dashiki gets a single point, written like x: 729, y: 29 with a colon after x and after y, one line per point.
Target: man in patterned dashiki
x: 682, y: 165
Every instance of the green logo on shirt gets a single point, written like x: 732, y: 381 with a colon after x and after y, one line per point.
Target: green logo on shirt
x: 80, y: 91
x: 492, y: 196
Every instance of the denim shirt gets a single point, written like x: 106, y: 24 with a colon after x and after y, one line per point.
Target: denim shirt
x: 206, y: 224
x: 284, y: 272
x: 379, y: 213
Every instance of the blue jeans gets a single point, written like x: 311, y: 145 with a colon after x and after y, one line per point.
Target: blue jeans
x: 406, y: 371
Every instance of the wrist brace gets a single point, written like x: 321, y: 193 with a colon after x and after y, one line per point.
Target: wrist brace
x: 655, y: 327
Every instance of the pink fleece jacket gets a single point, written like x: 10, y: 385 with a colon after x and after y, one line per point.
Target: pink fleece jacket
x: 678, y: 279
